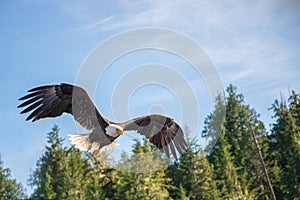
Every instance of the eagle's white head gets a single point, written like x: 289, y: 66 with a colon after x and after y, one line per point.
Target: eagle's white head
x: 114, y: 130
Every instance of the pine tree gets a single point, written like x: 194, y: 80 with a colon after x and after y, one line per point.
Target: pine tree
x: 142, y: 176
x: 284, y: 149
x: 238, y: 143
x: 63, y: 173
x: 49, y: 176
x: 226, y: 175
x: 105, y: 176
x: 81, y: 182
x: 192, y: 175
x: 214, y: 123
x: 9, y: 188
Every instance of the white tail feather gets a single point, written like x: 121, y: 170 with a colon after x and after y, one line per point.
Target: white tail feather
x: 81, y: 141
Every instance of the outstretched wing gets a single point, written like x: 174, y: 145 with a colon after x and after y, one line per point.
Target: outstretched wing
x: 53, y: 100
x: 161, y: 131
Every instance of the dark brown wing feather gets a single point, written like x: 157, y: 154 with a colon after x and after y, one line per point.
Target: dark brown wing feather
x: 161, y: 131
x: 54, y: 100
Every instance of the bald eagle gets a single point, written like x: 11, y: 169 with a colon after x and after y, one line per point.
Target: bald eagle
x: 53, y: 100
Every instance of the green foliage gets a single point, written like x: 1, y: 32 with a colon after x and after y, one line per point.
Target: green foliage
x: 236, y: 163
x: 226, y: 174
x: 9, y: 188
x: 142, y: 176
x: 63, y: 173
x: 192, y: 175
x: 213, y: 124
x: 230, y: 168
x: 49, y: 176
x: 284, y: 145
x: 104, y: 175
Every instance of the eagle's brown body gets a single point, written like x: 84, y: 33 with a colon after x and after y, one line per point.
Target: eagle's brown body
x: 53, y: 100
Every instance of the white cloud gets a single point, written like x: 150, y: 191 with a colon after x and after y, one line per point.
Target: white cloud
x: 94, y: 24
x: 253, y: 43
x: 232, y: 33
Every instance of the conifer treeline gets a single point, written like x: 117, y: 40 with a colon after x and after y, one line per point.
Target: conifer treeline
x: 229, y: 170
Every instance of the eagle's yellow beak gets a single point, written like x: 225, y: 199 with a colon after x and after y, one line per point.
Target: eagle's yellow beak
x: 120, y: 132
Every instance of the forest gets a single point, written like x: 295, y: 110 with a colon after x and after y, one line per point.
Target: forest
x: 230, y: 169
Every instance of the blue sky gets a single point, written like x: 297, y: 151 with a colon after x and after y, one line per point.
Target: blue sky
x: 255, y: 45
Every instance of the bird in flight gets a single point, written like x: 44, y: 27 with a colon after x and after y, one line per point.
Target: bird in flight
x: 54, y: 100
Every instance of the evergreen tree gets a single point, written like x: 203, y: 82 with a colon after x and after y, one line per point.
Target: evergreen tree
x: 49, y: 177
x: 192, y: 175
x: 284, y: 148
x: 226, y: 175
x: 81, y: 181
x: 214, y: 123
x: 63, y: 173
x: 237, y: 144
x: 239, y: 117
x: 142, y: 176
x: 9, y: 188
x: 105, y: 176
